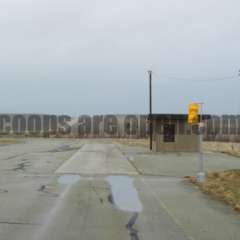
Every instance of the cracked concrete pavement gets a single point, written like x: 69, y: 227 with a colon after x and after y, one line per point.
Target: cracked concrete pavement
x: 60, y: 189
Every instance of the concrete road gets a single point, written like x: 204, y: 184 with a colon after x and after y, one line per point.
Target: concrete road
x: 176, y: 164
x: 75, y: 189
x: 97, y: 159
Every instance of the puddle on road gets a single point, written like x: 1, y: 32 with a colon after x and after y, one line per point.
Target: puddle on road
x: 125, y: 197
x: 68, y: 179
x: 124, y: 194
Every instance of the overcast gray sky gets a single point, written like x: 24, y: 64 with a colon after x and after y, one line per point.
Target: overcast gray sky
x: 89, y: 57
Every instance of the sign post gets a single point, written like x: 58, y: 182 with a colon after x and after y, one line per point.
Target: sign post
x: 193, y: 118
x: 201, y: 173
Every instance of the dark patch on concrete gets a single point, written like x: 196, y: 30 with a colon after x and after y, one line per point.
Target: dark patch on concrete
x: 98, y: 195
x: 110, y: 199
x: 18, y: 223
x: 21, y: 166
x: 133, y: 232
x: 42, y: 188
x: 132, y: 221
x: 47, y: 190
x: 24, y: 160
x: 64, y: 148
x: 3, y: 190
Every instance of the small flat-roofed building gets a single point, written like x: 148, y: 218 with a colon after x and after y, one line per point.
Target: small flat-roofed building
x: 173, y: 133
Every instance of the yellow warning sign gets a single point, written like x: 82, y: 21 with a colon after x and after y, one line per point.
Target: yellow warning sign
x: 193, y: 113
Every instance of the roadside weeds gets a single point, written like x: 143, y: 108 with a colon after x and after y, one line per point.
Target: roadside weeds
x: 223, y: 186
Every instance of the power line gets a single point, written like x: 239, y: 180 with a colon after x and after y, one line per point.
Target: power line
x: 197, y: 79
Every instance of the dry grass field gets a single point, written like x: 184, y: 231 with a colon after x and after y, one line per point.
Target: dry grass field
x: 133, y: 142
x: 222, y: 147
x: 7, y: 141
x: 224, y: 186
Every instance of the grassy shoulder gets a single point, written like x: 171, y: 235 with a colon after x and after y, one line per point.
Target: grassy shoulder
x: 224, y: 186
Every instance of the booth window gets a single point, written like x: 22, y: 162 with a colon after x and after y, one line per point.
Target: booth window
x: 169, y: 133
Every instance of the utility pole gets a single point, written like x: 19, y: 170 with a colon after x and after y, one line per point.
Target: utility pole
x: 150, y: 110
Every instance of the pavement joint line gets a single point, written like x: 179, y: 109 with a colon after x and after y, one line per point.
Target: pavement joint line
x: 133, y: 165
x: 163, y: 205
x: 116, y: 174
x: 69, y: 159
x: 146, y: 175
x: 128, y: 159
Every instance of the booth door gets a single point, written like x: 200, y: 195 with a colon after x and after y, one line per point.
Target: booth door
x: 169, y: 133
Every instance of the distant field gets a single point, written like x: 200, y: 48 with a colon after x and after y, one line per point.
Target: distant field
x: 223, y: 147
x: 7, y: 141
x: 133, y: 142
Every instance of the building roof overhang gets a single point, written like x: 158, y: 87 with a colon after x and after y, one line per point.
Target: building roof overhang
x: 175, y: 116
